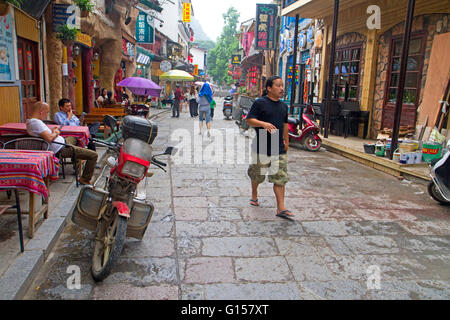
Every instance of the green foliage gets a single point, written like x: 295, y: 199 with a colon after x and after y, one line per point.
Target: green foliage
x: 227, y: 44
x: 17, y: 3
x: 85, y: 5
x: 65, y: 33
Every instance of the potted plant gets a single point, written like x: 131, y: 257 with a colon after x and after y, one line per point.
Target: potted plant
x: 86, y: 7
x: 67, y: 35
x: 4, y: 6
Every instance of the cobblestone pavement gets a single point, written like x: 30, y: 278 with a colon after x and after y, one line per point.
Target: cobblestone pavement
x: 358, y: 233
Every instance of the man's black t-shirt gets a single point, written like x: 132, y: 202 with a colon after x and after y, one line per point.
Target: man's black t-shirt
x: 274, y: 112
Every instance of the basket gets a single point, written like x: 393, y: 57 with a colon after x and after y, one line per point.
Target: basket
x: 369, y: 148
x: 431, y: 151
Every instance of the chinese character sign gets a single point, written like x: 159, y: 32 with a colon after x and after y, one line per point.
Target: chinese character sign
x: 186, y: 12
x: 195, y: 69
x: 7, y: 65
x: 266, y: 15
x: 145, y: 31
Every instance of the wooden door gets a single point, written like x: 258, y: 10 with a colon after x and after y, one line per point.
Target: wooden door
x: 27, y: 53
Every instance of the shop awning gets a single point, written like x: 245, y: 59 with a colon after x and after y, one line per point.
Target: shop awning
x: 152, y: 5
x: 35, y: 8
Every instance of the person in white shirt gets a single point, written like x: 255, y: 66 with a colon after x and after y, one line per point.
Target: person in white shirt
x: 37, y: 128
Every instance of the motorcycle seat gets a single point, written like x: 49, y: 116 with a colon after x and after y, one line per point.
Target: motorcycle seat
x: 293, y: 121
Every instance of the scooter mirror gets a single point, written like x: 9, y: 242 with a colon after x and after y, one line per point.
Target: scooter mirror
x: 170, y: 151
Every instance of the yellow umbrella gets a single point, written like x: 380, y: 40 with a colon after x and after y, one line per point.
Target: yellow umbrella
x: 176, y: 75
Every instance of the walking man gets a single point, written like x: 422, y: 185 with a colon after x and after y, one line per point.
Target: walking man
x: 269, y: 116
x: 176, y: 106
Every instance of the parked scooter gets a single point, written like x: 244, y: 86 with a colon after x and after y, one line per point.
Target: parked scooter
x: 112, y: 209
x: 439, y: 186
x: 228, y: 107
x: 244, y: 104
x: 305, y: 131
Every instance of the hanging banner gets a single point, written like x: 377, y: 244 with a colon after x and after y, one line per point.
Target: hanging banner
x: 266, y: 15
x: 195, y: 69
x: 7, y: 65
x: 186, y: 12
x: 145, y: 29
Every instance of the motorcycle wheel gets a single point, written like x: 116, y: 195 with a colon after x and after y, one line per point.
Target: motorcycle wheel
x: 312, y: 144
x: 435, y: 194
x: 109, y: 242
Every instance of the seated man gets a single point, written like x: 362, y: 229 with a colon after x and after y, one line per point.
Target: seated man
x: 37, y: 128
x: 67, y: 118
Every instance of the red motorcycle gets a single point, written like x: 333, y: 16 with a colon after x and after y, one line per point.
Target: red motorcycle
x: 305, y: 131
x: 113, y: 209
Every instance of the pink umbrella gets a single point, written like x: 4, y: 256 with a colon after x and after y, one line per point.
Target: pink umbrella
x: 141, y: 86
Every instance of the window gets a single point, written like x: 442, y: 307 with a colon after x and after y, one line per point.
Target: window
x: 413, y: 69
x: 287, y: 3
x: 346, y: 72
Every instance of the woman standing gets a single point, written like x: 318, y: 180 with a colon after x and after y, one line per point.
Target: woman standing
x: 204, y: 107
x: 192, y: 98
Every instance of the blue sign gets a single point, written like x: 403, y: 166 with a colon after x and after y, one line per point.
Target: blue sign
x: 64, y: 14
x: 145, y: 32
x: 301, y: 40
x: 7, y: 64
x: 309, y: 35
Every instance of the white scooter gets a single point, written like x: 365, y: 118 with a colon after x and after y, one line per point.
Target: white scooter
x: 439, y: 186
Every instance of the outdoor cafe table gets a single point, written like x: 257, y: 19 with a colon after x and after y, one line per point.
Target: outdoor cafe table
x: 29, y: 170
x: 80, y: 132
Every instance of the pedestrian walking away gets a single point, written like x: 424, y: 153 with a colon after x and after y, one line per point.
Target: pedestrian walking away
x: 204, y: 107
x: 192, y: 98
x: 177, y: 102
x: 269, y: 116
x: 212, y: 105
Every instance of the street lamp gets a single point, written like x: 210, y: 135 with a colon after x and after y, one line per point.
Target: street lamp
x: 76, y: 51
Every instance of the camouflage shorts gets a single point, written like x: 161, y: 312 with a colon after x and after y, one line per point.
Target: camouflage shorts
x: 276, y: 168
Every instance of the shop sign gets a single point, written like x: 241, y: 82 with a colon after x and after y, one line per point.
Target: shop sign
x: 309, y: 35
x: 143, y: 59
x: 301, y: 40
x: 305, y: 56
x: 7, y: 65
x: 145, y: 28
x: 127, y: 48
x: 195, y: 69
x: 186, y: 12
x: 84, y: 39
x: 65, y: 14
x: 265, y: 26
x: 235, y: 59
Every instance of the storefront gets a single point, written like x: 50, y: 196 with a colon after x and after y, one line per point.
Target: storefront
x: 10, y: 107
x: 143, y: 63
x: 127, y: 64
x: 82, y: 55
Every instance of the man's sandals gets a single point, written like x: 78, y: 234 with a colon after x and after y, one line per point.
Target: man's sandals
x: 286, y: 214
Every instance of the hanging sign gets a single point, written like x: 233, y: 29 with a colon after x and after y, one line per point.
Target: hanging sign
x: 195, y: 69
x: 186, y: 12
x: 65, y: 14
x: 265, y: 26
x: 236, y: 59
x: 145, y: 28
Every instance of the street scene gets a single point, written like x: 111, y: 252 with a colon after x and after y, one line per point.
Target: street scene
x: 293, y: 151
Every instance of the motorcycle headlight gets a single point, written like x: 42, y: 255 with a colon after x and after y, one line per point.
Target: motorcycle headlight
x: 133, y: 169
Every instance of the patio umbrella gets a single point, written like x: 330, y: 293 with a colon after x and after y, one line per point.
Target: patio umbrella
x: 141, y: 86
x: 176, y: 75
x: 200, y: 83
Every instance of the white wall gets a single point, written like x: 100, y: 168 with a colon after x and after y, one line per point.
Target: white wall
x: 199, y: 57
x: 170, y: 16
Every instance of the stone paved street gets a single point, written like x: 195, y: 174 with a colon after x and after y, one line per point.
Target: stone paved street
x: 206, y: 242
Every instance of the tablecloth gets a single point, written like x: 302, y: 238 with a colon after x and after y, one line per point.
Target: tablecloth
x: 27, y: 169
x: 80, y: 132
